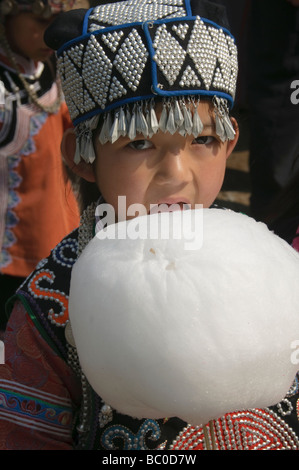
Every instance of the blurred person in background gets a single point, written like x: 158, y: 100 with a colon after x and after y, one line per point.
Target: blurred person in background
x: 37, y: 204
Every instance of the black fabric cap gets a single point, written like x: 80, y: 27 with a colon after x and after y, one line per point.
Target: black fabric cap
x: 211, y: 11
x: 68, y: 25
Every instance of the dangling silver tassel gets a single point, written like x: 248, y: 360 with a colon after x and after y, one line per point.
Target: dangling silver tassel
x: 89, y: 153
x: 197, y: 124
x: 114, y: 131
x: 150, y: 131
x: 91, y: 156
x: 84, y: 140
x: 151, y: 118
x: 122, y: 124
x: 178, y: 115
x: 128, y: 117
x: 154, y: 124
x: 105, y: 131
x: 163, y: 118
x: 224, y: 127
x: 230, y: 131
x: 141, y: 124
x: 132, y: 125
x: 220, y: 131
x: 187, y: 123
x: 170, y: 125
x: 103, y: 138
x: 84, y: 146
x: 79, y: 129
x: 94, y: 122
x: 197, y: 127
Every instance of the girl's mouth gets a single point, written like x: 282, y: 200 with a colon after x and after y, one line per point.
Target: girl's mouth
x: 169, y: 206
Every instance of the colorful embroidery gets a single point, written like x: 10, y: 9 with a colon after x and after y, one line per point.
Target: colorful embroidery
x: 61, y: 252
x: 14, y: 181
x: 245, y: 430
x: 35, y: 409
x: 60, y: 318
x: 130, y: 440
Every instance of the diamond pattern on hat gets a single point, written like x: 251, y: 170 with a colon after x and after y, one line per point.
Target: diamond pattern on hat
x: 201, y: 48
x: 189, y: 78
x: 233, y: 65
x: 131, y: 11
x: 97, y: 71
x: 76, y: 54
x: 117, y: 90
x: 73, y: 82
x: 131, y: 59
x: 170, y: 55
x: 189, y: 54
x: 222, y: 53
x: 112, y: 39
x: 181, y: 30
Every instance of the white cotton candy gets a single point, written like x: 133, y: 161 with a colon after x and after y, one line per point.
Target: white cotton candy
x: 163, y: 329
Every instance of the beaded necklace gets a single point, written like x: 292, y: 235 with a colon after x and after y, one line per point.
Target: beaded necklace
x: 86, y: 226
x: 85, y: 234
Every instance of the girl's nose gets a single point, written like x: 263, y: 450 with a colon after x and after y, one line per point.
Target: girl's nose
x: 174, y: 168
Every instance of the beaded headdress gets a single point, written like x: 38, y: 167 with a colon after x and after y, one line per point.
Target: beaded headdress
x: 117, y: 59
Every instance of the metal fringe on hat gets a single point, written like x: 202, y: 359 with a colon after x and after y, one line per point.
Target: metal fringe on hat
x: 224, y: 127
x: 179, y: 114
x: 84, y: 140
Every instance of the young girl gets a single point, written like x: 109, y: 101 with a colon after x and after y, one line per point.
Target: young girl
x: 37, y: 205
x: 148, y: 85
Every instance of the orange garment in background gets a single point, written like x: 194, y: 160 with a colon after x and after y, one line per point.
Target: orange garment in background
x: 37, y: 205
x: 47, y: 210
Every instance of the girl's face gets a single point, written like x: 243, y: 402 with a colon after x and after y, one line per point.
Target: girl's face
x: 25, y: 34
x: 165, y: 169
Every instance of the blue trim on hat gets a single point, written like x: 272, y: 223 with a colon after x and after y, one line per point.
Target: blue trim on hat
x: 188, y: 18
x: 188, y: 8
x: 85, y: 22
x: 160, y: 93
x: 113, y: 106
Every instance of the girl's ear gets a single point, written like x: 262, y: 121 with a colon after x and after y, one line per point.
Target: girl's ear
x: 232, y: 143
x: 68, y: 149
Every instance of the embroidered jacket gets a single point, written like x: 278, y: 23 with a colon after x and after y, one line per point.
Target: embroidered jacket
x: 45, y: 400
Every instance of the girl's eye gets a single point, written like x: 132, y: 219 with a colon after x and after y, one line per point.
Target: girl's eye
x: 204, y: 140
x: 140, y: 144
